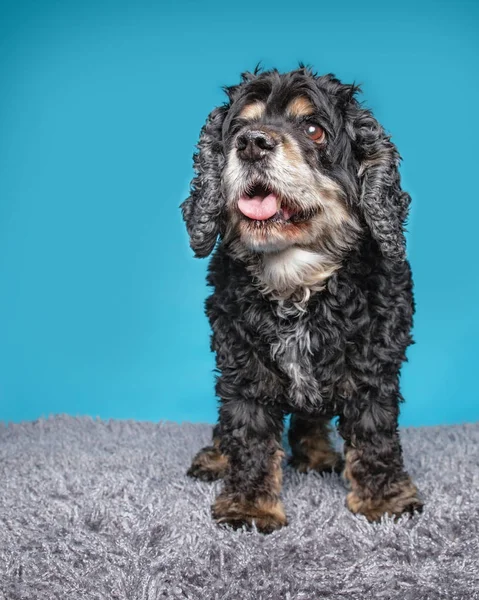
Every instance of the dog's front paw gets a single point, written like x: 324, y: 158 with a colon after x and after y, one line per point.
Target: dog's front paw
x: 267, y: 514
x: 331, y: 462
x: 402, y: 498
x: 208, y: 465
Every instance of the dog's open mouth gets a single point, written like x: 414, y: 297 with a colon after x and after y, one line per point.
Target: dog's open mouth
x: 261, y: 203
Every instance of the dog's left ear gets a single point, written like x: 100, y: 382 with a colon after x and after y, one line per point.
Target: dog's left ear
x: 202, y: 211
x: 383, y: 203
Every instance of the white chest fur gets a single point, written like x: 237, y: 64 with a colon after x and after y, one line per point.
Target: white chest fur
x: 285, y: 272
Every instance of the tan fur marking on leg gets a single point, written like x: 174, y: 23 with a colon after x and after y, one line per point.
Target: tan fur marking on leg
x: 276, y: 473
x: 319, y: 451
x: 266, y: 510
x: 209, y: 464
x: 399, y: 497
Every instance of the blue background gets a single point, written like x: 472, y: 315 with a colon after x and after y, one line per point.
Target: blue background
x: 101, y: 302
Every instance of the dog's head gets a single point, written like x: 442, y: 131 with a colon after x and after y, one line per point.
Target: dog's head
x: 293, y: 160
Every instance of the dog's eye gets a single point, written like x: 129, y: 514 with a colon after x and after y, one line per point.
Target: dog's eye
x: 314, y: 132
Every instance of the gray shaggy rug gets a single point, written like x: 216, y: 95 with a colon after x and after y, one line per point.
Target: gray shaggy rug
x: 103, y: 510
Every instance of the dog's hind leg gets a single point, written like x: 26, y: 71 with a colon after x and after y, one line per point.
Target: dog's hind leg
x: 209, y: 464
x: 311, y: 445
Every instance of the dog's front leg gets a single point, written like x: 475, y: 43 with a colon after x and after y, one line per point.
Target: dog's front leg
x: 251, y: 439
x: 374, y: 464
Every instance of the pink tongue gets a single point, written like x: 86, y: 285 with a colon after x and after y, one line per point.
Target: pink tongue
x: 259, y: 207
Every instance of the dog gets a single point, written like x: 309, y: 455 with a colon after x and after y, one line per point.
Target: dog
x: 297, y: 192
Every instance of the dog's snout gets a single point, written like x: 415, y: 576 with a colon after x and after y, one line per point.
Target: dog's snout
x: 254, y: 144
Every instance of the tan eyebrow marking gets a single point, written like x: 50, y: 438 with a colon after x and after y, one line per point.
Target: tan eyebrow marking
x: 300, y: 107
x: 255, y: 110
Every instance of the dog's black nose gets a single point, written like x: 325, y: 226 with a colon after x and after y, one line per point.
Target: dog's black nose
x: 254, y: 144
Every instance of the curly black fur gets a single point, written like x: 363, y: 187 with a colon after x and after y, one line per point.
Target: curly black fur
x: 338, y: 351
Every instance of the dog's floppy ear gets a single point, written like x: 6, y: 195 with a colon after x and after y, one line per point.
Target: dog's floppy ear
x: 202, y: 211
x: 383, y: 203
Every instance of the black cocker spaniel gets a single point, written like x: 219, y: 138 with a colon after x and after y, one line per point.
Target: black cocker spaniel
x: 297, y: 186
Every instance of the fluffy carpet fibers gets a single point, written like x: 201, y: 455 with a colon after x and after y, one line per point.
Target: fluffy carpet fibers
x: 103, y: 510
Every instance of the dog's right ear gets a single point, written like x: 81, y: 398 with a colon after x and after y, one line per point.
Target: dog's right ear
x: 203, y: 210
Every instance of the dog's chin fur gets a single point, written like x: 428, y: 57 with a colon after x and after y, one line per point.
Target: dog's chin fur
x: 291, y: 272
x: 294, y: 260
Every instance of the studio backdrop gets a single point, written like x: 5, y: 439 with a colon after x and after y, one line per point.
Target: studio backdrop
x: 101, y: 300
